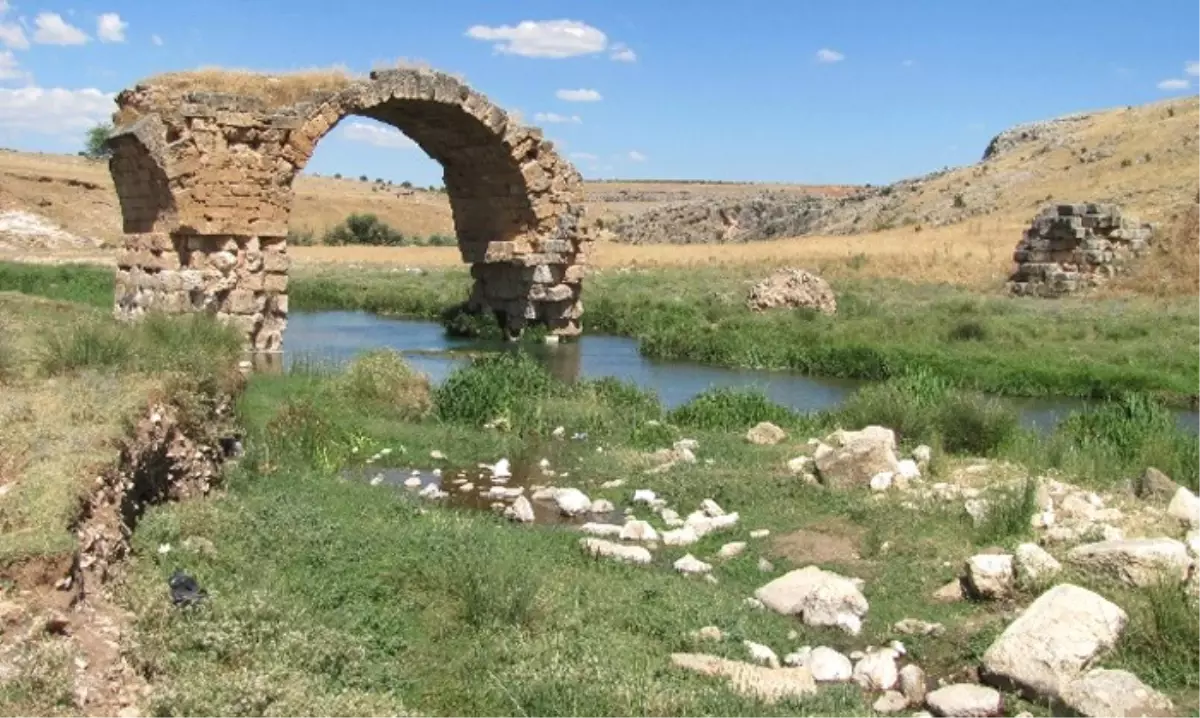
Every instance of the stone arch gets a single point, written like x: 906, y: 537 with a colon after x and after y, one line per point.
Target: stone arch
x: 205, y: 181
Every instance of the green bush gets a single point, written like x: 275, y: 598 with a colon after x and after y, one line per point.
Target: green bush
x: 301, y: 237
x: 973, y: 424
x: 1008, y: 515
x: 382, y: 378
x: 460, y: 321
x: 509, y: 385
x: 365, y: 229
x: 909, y: 405
x: 728, y: 409
x: 85, y: 346
x: 95, y: 145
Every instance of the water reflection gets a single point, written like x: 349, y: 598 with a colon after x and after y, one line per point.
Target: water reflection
x: 335, y: 337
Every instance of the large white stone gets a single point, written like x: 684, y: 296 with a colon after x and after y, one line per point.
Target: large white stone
x: 965, y: 699
x: 760, y: 654
x: 636, y: 530
x: 877, y: 670
x: 1062, y: 632
x: 769, y: 685
x: 829, y: 666
x: 913, y: 683
x: 1102, y: 692
x: 731, y: 549
x: 765, y: 433
x: 851, y: 458
x: 616, y: 551
x: 597, y: 529
x: 820, y: 598
x: 1185, y: 506
x: 680, y: 537
x: 691, y: 565
x: 572, y: 502
x: 521, y: 510
x: 1135, y: 562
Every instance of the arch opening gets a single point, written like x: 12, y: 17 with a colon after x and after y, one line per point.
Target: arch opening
x: 224, y: 165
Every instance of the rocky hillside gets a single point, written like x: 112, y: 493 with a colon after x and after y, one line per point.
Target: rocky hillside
x: 1142, y: 158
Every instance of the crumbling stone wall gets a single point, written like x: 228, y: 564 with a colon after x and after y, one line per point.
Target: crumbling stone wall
x: 1072, y: 247
x: 205, y: 186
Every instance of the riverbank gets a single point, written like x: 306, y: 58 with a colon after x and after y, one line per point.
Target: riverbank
x: 1076, y: 347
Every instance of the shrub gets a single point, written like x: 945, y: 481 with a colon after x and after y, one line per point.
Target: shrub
x: 626, y: 397
x: 382, y: 378
x: 908, y: 405
x: 364, y: 229
x: 459, y: 320
x: 510, y: 385
x: 730, y: 409
x: 975, y: 424
x: 1162, y: 642
x: 968, y: 330
x: 442, y: 240
x: 95, y: 145
x: 301, y: 237
x: 85, y: 346
x: 1008, y: 515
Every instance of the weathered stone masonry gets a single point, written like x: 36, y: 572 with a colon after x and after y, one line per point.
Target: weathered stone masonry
x: 1072, y: 247
x: 205, y: 186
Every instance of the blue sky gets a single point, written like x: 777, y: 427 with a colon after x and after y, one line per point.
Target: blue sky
x: 780, y: 91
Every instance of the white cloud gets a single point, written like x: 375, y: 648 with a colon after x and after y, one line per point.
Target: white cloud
x: 378, y: 135
x: 622, y: 53
x: 826, y: 56
x: 555, y: 118
x: 54, y: 111
x: 13, y: 36
x: 909, y: 63
x: 637, y: 156
x: 549, y: 38
x: 1173, y: 84
x: 53, y: 30
x: 110, y: 27
x: 9, y: 67
x: 580, y: 95
x: 156, y: 40
x: 1192, y: 68
x: 584, y: 156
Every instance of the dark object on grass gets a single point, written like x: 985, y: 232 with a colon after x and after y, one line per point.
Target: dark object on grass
x: 185, y: 591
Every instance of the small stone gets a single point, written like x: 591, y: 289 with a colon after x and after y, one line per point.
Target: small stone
x: 907, y: 469
x: 521, y: 510
x: 602, y: 506
x: 768, y: 685
x: 1033, y: 563
x: 752, y: 602
x: 990, y: 576
x: 616, y: 551
x: 922, y: 454
x: 572, y: 502
x: 732, y: 549
x: 467, y: 487
x: 689, y: 564
x: 710, y: 633
x: 829, y: 666
x: 760, y: 533
x: 952, y: 591
x: 680, y: 537
x: 890, y: 702
x: 965, y: 699
x: 614, y: 484
x: 412, y: 482
x: 596, y: 529
x: 760, y: 654
x: 876, y: 671
x: 913, y: 683
x: 882, y: 481
x: 643, y: 496
x: 915, y: 627
x: 765, y: 566
x: 1103, y: 692
x: 1154, y: 485
x: 435, y: 454
x: 977, y: 509
x: 636, y: 530
x: 799, y: 465
x: 711, y: 508
x: 1135, y: 562
x: 671, y: 518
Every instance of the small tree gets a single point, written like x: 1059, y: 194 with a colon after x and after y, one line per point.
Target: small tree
x: 95, y: 146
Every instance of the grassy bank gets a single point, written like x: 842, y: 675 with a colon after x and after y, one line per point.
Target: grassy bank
x: 330, y: 595
x: 1081, y: 347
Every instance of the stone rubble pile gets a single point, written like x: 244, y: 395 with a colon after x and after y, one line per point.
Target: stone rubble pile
x: 1072, y: 247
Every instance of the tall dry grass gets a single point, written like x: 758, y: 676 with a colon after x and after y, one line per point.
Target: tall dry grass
x: 1172, y: 268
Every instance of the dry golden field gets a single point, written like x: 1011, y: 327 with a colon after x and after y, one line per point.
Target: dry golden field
x: 1144, y: 158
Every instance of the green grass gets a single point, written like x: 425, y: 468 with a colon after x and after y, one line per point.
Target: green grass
x: 331, y: 596
x: 1082, y: 347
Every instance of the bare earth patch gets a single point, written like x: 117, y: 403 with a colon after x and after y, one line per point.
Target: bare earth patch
x: 826, y: 541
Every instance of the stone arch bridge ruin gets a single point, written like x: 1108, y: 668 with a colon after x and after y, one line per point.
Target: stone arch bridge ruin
x: 205, y: 178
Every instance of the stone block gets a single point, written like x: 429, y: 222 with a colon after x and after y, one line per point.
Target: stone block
x: 275, y: 283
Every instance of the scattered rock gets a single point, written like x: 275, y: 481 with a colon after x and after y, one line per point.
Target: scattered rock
x: 671, y: 518
x: 765, y: 433
x: 829, y: 666
x: 689, y: 564
x: 1135, y: 562
x: 890, y: 702
x: 760, y: 533
x: 545, y: 493
x: 680, y: 537
x: 1193, y: 542
x: 732, y: 549
x: 793, y: 288
x: 990, y: 576
x: 596, y: 529
x: 1103, y: 692
x: 800, y: 464
x: 765, y: 566
x: 922, y: 454
x: 760, y: 654
x: 977, y: 509
x: 965, y: 699
x: 1185, y: 506
x: 882, y: 481
x: 853, y: 457
x: 876, y: 671
x: 614, y: 484
x: 602, y: 506
x: 953, y: 591
x: 710, y: 633
x: 799, y: 657
x: 1061, y: 632
x: 644, y: 496
x: 1033, y: 563
x: 913, y: 684
x: 766, y: 684
x: 412, y: 482
x: 916, y: 627
x: 636, y: 530
x: 711, y: 508
x: 616, y: 551
x: 1154, y: 485
x: 752, y: 602
x: 520, y: 510
x: 907, y: 470
x: 820, y: 598
x: 572, y: 502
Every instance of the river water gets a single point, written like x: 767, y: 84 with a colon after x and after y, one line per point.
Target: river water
x: 339, y: 336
